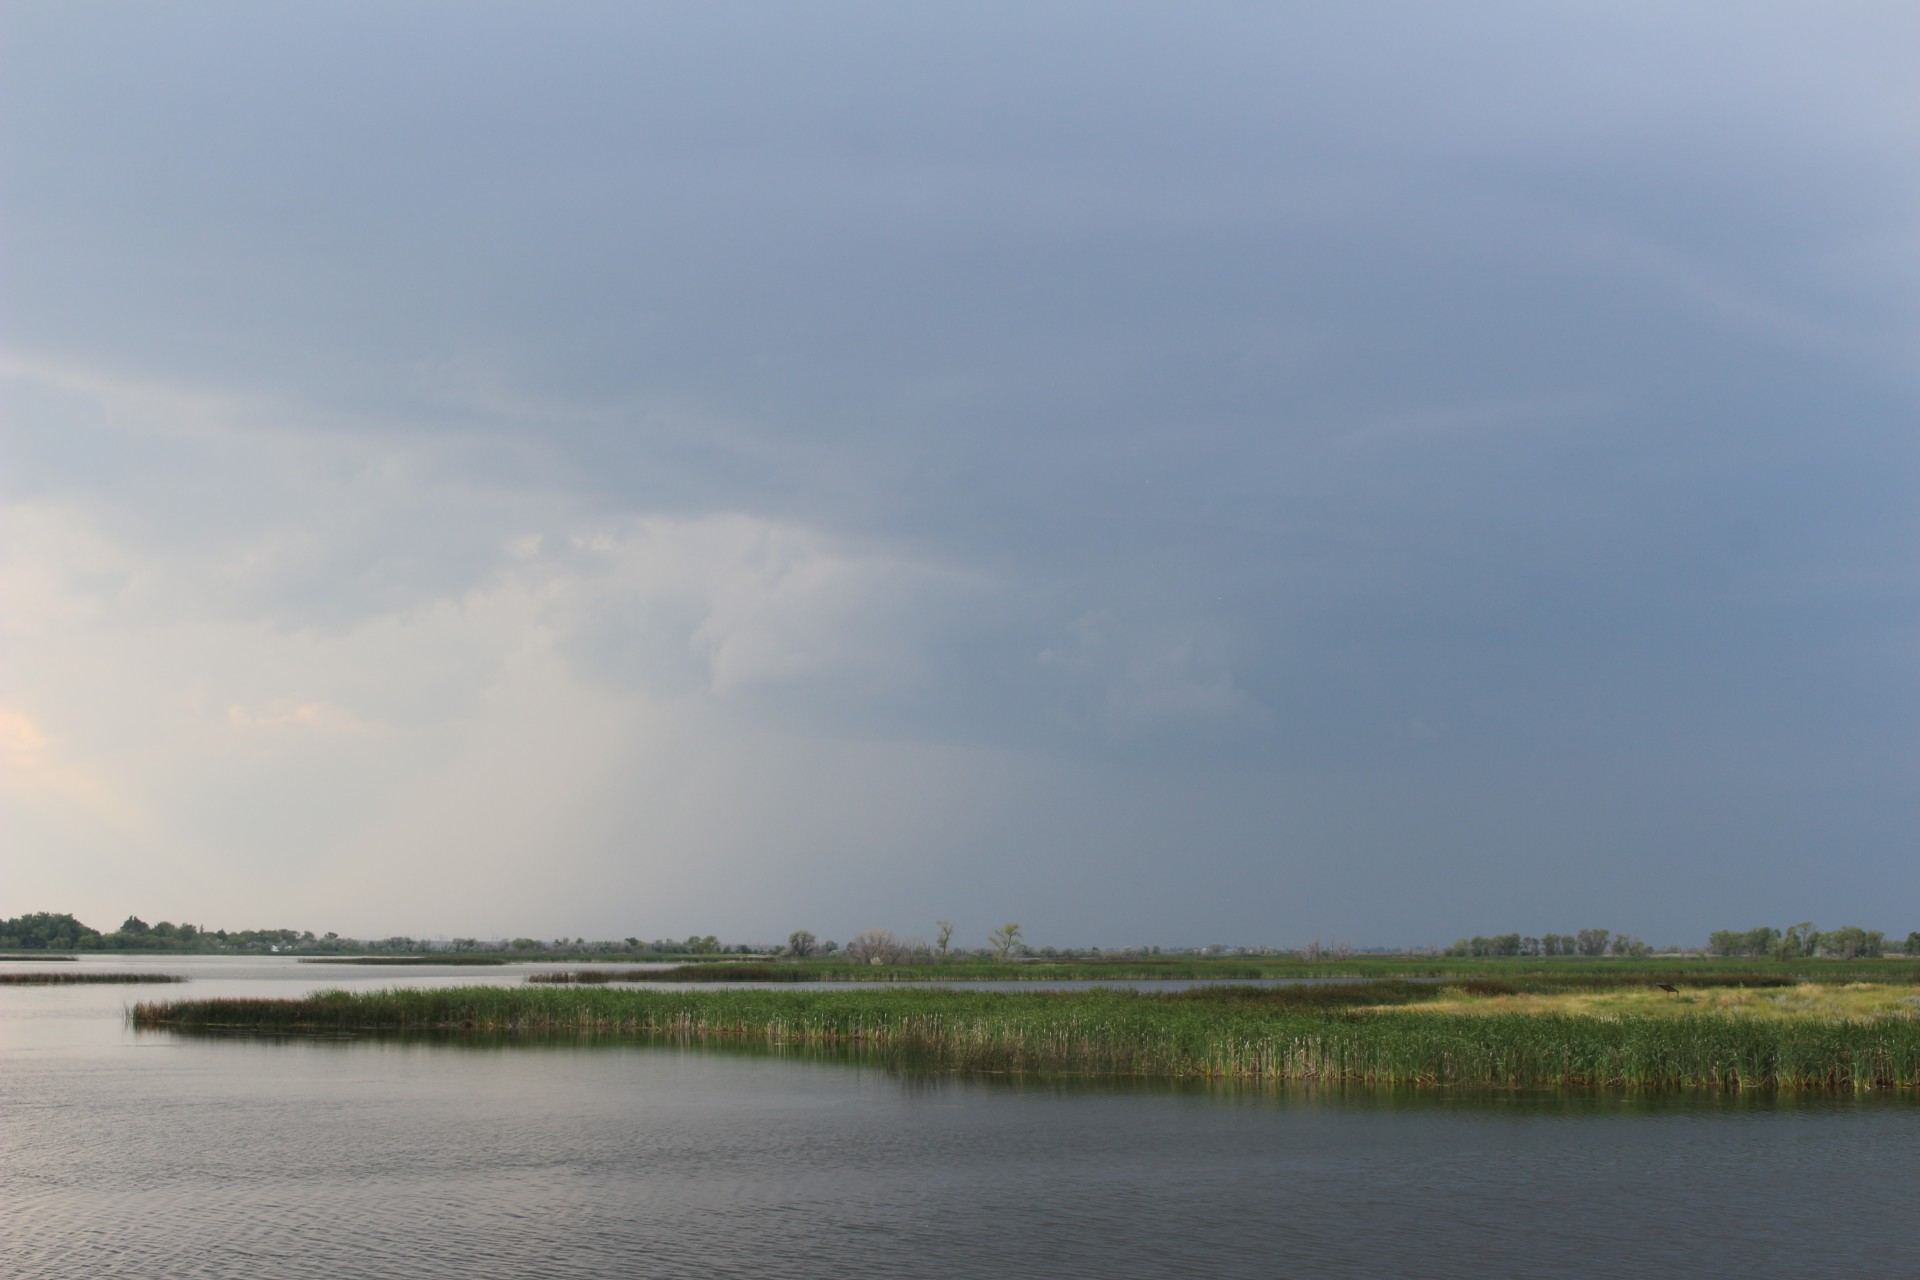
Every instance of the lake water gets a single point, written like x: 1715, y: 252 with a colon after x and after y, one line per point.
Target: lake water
x: 157, y: 1155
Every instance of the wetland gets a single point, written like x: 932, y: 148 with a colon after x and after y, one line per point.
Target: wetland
x: 568, y: 1150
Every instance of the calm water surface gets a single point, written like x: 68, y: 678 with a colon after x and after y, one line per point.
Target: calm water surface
x: 158, y: 1155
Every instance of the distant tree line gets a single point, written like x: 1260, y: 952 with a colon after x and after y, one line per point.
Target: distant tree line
x: 1800, y: 941
x: 1586, y: 942
x: 60, y: 931
x: 44, y: 931
x: 1803, y: 941
x: 1008, y: 942
x: 883, y: 946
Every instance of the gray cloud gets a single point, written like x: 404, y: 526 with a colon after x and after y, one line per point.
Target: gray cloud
x: 1429, y: 443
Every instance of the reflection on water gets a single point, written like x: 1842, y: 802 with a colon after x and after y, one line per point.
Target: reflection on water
x: 166, y: 1155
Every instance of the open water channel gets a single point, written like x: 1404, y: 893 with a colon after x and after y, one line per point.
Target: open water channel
x: 159, y: 1155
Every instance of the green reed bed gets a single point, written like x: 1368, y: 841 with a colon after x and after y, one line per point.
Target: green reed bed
x: 64, y: 979
x: 1303, y: 1035
x: 1358, y: 989
x: 588, y: 976
x: 1577, y: 971
x: 1549, y: 983
x: 403, y: 960
x: 735, y: 971
x: 968, y: 971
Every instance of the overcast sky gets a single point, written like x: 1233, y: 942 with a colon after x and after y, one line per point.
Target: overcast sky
x: 1163, y: 474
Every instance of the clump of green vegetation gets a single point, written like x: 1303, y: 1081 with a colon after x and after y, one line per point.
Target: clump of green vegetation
x: 588, y: 976
x: 967, y: 970
x: 55, y: 979
x: 1600, y: 980
x: 1568, y: 969
x: 1336, y: 1032
x: 403, y: 960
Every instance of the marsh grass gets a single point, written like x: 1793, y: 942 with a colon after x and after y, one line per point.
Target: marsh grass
x: 404, y: 960
x: 588, y: 976
x: 1853, y: 1001
x: 959, y: 974
x: 1279, y: 1034
x: 64, y: 979
x: 1574, y: 971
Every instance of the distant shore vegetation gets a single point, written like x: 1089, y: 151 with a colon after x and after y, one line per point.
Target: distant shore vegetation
x: 1007, y: 951
x: 58, y: 931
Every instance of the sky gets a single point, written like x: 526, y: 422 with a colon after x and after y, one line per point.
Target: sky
x: 1164, y: 475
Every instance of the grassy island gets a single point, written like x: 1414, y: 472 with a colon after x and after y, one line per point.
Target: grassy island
x: 442, y: 958
x: 1724, y: 1032
x: 81, y: 976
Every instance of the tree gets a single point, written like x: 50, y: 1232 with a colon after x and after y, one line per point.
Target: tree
x: 1004, y: 940
x: 1913, y: 944
x: 1850, y: 941
x: 1753, y: 942
x: 801, y: 944
x: 1593, y: 942
x: 1798, y: 942
x: 874, y: 946
x: 946, y: 935
x: 44, y: 930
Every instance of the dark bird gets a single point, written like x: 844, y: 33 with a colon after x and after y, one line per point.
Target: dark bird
x: 1668, y: 987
